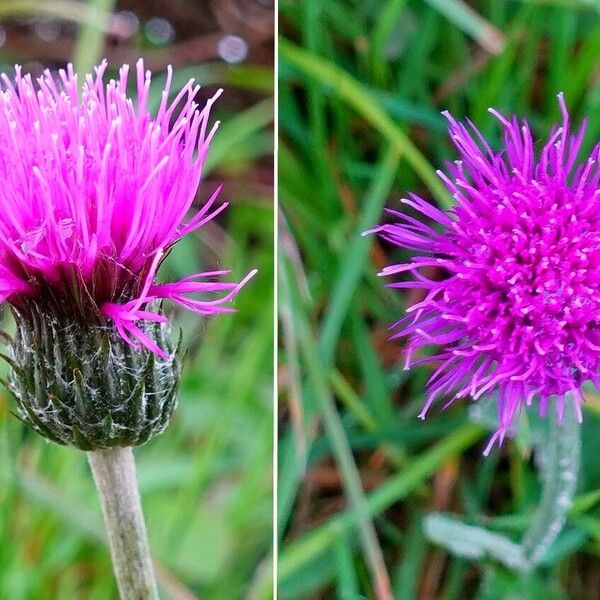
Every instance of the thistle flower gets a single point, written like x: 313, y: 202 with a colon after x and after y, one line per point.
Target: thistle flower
x: 95, y: 191
x: 518, y: 312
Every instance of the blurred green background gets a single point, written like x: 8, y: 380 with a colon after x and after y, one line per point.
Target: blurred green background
x: 206, y: 483
x: 362, y: 84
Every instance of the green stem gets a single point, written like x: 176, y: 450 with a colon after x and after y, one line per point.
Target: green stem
x: 559, y: 465
x: 116, y: 481
x: 558, y: 472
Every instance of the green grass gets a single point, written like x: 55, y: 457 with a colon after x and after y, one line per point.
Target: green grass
x: 206, y: 483
x: 362, y: 85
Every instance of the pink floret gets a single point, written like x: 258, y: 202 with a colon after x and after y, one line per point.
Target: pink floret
x: 95, y: 190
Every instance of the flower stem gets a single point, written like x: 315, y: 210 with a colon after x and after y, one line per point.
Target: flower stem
x: 115, y: 477
x: 558, y: 465
x: 559, y: 470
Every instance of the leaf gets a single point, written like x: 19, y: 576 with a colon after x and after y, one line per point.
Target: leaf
x: 473, y: 542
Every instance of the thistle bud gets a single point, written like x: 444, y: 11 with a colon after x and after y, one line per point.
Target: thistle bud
x: 81, y: 384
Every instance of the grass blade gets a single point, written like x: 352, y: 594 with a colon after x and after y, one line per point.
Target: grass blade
x: 301, y: 551
x: 339, y: 441
x: 89, y: 46
x: 472, y: 23
x: 350, y: 91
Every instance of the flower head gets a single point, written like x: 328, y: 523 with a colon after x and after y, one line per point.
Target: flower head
x: 518, y: 312
x: 95, y: 191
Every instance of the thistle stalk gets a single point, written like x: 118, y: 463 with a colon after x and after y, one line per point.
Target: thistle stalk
x: 559, y: 462
x: 558, y: 471
x: 115, y: 477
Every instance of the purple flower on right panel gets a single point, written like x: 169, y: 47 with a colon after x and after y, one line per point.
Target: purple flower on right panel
x: 518, y: 314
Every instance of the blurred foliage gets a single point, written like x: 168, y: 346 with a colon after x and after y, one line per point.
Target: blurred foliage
x: 206, y: 483
x: 362, y: 85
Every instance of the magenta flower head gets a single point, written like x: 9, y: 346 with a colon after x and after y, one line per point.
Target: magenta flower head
x: 95, y: 191
x: 517, y: 313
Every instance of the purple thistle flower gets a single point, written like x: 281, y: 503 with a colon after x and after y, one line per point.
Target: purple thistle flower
x: 95, y: 190
x: 518, y: 313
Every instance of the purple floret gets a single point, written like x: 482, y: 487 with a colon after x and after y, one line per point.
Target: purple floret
x: 518, y: 314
